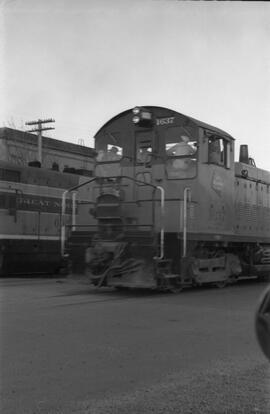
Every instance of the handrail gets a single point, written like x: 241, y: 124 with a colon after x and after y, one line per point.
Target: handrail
x: 74, y: 211
x: 162, y: 204
x: 63, y: 226
x: 63, y: 212
x: 63, y: 205
x: 73, y: 220
x: 187, y: 198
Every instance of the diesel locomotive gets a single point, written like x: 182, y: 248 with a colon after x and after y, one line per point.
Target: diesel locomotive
x: 30, y: 218
x: 168, y: 206
x: 33, y: 175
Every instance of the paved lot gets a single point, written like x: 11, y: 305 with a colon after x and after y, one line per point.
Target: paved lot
x: 66, y: 348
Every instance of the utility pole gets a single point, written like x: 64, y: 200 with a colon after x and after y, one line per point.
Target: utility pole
x: 39, y: 129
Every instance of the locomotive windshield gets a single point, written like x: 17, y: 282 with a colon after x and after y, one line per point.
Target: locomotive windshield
x: 109, y: 147
x: 181, y: 151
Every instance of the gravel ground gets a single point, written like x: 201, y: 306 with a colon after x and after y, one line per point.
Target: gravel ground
x: 224, y: 389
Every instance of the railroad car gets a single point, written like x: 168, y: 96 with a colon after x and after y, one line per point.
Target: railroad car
x: 168, y: 206
x: 30, y: 217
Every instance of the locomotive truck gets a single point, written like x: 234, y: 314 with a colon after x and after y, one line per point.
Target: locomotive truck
x: 168, y: 207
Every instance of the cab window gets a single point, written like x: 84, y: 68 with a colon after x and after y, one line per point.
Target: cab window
x: 181, y: 153
x: 109, y: 147
x: 218, y: 151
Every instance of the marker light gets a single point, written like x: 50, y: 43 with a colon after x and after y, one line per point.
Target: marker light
x: 136, y: 119
x: 136, y: 110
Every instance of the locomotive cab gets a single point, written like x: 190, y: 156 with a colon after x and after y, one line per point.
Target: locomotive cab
x: 147, y: 140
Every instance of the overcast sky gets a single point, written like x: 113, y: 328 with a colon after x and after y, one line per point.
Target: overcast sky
x: 82, y: 62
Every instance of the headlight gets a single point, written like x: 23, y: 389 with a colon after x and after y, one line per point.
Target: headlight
x: 136, y: 119
x: 136, y: 110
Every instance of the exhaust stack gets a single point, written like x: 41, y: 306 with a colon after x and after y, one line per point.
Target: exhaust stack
x: 243, y: 154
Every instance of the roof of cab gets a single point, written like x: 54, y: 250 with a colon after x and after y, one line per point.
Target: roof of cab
x: 153, y: 108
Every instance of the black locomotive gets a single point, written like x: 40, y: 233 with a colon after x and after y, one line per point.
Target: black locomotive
x: 168, y: 206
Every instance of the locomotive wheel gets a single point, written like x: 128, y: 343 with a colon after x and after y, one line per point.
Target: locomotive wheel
x: 175, y: 286
x: 221, y: 284
x: 175, y: 289
x: 233, y: 279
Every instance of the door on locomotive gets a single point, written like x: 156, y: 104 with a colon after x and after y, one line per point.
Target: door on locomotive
x: 143, y: 149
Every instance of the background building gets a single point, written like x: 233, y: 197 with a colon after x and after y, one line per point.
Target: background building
x: 20, y: 148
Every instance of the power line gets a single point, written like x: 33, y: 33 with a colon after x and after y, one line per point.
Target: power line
x: 39, y: 129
